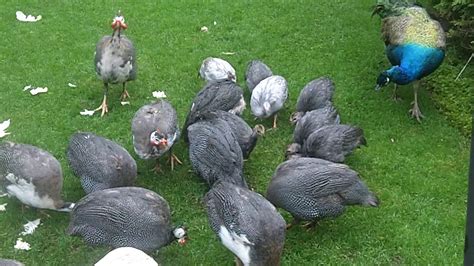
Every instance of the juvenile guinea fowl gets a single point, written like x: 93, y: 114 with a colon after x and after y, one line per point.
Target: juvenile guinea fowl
x: 268, y: 97
x: 312, y: 189
x: 313, y: 120
x: 316, y: 94
x: 246, y: 223
x: 155, y: 131
x: 125, y: 217
x: 115, y: 60
x: 32, y: 175
x: 414, y: 44
x: 100, y: 163
x: 331, y: 142
x: 222, y: 95
x: 216, y: 69
x: 245, y: 135
x: 256, y: 72
x: 215, y: 153
x: 126, y: 256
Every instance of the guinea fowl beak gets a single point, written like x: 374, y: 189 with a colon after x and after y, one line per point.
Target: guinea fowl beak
x: 182, y: 241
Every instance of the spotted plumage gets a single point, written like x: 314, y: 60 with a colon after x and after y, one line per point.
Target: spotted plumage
x: 314, y: 120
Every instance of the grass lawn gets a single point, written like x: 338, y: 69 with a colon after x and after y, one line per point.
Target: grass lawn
x: 419, y: 171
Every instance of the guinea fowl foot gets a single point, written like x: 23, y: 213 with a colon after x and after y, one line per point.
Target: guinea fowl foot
x: 103, y: 107
x: 309, y: 225
x: 157, y: 169
x: 173, y: 158
x: 274, y: 121
x: 415, y: 112
x: 124, y: 95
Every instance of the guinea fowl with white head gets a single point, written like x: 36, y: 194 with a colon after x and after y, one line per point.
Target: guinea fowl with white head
x: 99, y: 162
x: 216, y: 69
x: 312, y: 189
x: 256, y: 72
x: 32, y: 175
x: 125, y: 217
x: 155, y: 130
x: 268, y: 97
x: 316, y: 94
x: 246, y: 223
x: 115, y: 60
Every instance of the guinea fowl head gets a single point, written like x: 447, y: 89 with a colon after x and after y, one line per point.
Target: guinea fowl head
x: 118, y: 23
x: 181, y: 234
x: 295, y: 117
x: 158, y: 140
x: 293, y: 151
x: 382, y: 80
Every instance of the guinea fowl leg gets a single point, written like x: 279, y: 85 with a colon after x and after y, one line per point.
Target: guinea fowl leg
x: 157, y: 168
x: 125, y: 94
x: 173, y: 158
x: 310, y: 225
x: 275, y: 121
x: 294, y: 222
x: 238, y: 262
x: 415, y: 110
x: 103, y: 106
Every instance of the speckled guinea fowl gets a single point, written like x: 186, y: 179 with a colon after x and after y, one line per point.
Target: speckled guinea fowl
x: 125, y: 217
x: 216, y: 69
x: 32, y: 175
x: 99, y: 162
x: 316, y: 94
x: 314, y: 120
x: 331, y: 142
x: 245, y: 135
x: 215, y: 153
x: 115, y: 60
x: 268, y: 97
x: 256, y: 72
x: 221, y: 95
x: 246, y: 223
x: 312, y: 189
x: 7, y: 262
x: 155, y: 130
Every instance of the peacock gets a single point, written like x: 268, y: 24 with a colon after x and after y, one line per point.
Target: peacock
x: 414, y: 43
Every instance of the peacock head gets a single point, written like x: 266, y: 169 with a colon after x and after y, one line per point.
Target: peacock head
x: 382, y: 80
x: 157, y: 139
x: 118, y: 23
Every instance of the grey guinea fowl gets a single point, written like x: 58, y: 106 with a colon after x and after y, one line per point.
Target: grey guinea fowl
x: 245, y: 135
x: 115, y: 60
x: 125, y: 217
x: 215, y: 153
x: 331, y: 142
x: 314, y: 120
x: 100, y: 163
x: 222, y: 95
x: 7, y: 262
x: 32, y: 175
x: 216, y: 69
x: 256, y: 72
x: 268, y: 97
x: 316, y: 94
x: 155, y: 130
x: 312, y: 189
x: 246, y: 223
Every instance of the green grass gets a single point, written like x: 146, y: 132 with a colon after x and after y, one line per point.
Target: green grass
x: 418, y: 170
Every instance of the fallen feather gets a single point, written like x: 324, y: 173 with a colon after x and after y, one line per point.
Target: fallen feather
x: 30, y: 227
x: 228, y: 53
x: 215, y: 23
x: 159, y: 94
x: 3, y: 126
x: 87, y: 112
x: 204, y: 29
x: 39, y: 90
x: 22, y: 17
x: 71, y: 85
x: 27, y: 87
x: 22, y: 245
x: 125, y: 103
x: 2, y: 207
x: 392, y: 140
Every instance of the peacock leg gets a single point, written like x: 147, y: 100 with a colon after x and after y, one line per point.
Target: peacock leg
x: 395, y: 96
x: 415, y: 110
x: 173, y: 159
x: 103, y: 106
x: 125, y: 94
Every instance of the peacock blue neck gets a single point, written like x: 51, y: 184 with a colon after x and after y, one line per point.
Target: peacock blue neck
x: 412, y: 62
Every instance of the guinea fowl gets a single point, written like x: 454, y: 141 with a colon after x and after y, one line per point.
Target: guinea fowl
x: 100, y: 163
x: 6, y: 262
x: 216, y: 95
x: 246, y: 223
x: 256, y: 72
x: 215, y: 153
x: 216, y: 69
x: 155, y: 130
x: 32, y: 175
x: 314, y: 120
x: 312, y: 189
x: 316, y: 94
x: 414, y: 44
x: 331, y: 142
x: 126, y: 256
x: 115, y: 60
x: 268, y: 97
x: 245, y: 135
x: 125, y: 217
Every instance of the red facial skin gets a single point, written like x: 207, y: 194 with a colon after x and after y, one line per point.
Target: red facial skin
x: 118, y: 24
x: 162, y: 143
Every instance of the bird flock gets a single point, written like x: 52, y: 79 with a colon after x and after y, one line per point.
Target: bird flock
x: 312, y: 183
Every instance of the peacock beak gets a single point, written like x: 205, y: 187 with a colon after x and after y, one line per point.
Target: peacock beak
x: 378, y: 87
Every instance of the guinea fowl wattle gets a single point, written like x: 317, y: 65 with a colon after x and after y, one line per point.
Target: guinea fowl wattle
x: 115, y: 60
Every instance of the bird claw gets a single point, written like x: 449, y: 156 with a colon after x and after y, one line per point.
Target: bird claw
x: 416, y: 113
x: 124, y: 95
x: 173, y: 158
